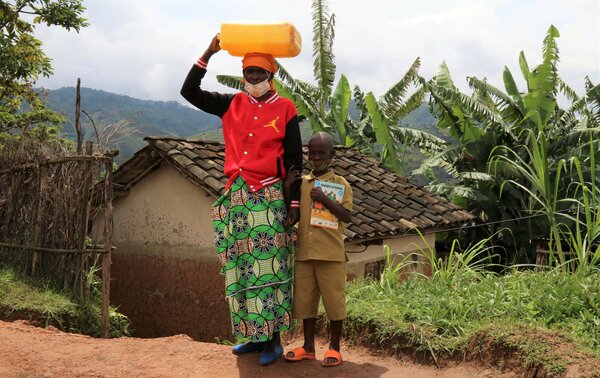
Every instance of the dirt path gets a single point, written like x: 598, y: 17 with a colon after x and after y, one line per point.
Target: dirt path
x: 27, y: 351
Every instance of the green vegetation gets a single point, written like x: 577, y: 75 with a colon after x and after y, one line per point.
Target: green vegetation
x: 442, y: 314
x: 509, y: 162
x: 21, y: 294
x: 23, y: 297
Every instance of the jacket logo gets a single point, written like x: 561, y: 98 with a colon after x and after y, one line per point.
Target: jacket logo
x: 272, y: 124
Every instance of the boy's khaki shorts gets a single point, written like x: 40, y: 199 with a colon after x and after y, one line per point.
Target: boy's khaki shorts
x: 314, y: 279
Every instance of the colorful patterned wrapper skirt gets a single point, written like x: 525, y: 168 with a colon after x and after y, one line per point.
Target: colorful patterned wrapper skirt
x: 256, y: 253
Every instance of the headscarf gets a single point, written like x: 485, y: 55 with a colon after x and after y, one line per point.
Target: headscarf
x: 264, y: 61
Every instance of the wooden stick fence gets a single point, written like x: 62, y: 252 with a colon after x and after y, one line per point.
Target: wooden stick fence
x: 28, y: 185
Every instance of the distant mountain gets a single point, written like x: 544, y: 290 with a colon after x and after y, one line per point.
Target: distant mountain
x: 145, y: 117
x: 420, y: 119
x: 172, y: 118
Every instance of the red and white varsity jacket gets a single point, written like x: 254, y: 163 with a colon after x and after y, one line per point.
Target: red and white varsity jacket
x: 262, y: 139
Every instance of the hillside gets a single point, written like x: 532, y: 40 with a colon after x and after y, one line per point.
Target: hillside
x: 419, y: 118
x: 172, y: 118
x: 145, y: 117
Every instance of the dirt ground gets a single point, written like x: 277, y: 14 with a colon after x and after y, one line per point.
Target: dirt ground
x: 28, y: 351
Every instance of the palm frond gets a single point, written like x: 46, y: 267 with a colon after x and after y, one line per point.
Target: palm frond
x: 550, y: 53
x: 419, y: 138
x: 359, y: 101
x: 565, y: 89
x: 304, y: 107
x: 413, y: 102
x: 511, y: 110
x: 234, y: 82
x: 592, y: 95
x: 323, y: 34
x: 383, y: 134
x: 444, y: 161
x: 441, y: 189
x: 588, y: 83
x: 340, y: 102
x: 567, y: 120
x: 285, y: 76
x: 477, y: 176
x: 576, y: 143
x: 441, y: 109
x: 511, y: 88
x: 467, y: 192
x: 392, y: 98
x: 524, y: 69
x: 308, y: 89
x: 578, y: 105
x: 473, y: 106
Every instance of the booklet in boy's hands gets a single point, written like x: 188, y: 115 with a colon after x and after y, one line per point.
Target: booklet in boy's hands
x: 320, y: 216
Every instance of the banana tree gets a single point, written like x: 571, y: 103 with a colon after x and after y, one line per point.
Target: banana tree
x: 581, y: 123
x: 379, y: 121
x: 491, y: 117
x: 459, y: 170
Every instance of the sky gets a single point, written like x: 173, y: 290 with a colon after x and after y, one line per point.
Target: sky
x: 144, y: 48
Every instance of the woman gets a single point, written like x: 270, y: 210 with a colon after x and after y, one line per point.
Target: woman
x: 251, y: 220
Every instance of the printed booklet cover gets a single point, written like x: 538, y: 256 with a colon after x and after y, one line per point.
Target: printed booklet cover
x: 320, y: 216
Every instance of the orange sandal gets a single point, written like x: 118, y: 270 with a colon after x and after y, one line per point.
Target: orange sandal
x: 299, y: 355
x: 332, y: 354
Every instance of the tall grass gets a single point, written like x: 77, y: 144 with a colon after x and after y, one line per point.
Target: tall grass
x: 584, y: 236
x: 442, y: 312
x: 573, y: 214
x: 474, y: 261
x: 540, y: 180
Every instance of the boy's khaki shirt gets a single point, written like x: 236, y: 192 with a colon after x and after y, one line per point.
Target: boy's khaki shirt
x: 318, y: 243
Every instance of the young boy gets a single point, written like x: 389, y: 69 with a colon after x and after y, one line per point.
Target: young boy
x: 320, y: 262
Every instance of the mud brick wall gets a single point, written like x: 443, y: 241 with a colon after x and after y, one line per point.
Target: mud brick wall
x: 170, y: 296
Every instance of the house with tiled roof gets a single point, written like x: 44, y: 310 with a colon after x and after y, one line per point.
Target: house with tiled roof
x: 165, y: 265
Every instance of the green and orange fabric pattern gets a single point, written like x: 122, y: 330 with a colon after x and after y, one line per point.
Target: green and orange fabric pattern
x: 256, y: 254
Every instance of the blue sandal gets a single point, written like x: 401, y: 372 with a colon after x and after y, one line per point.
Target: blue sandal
x: 268, y: 358
x: 248, y: 347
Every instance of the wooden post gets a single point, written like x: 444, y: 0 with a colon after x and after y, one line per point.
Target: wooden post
x: 78, y: 119
x: 37, y: 233
x: 108, y: 235
x: 84, y: 212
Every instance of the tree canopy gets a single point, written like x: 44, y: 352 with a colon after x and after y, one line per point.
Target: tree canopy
x: 23, y: 61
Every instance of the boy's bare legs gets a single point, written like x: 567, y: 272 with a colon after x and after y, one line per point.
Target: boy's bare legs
x: 309, y: 334
x: 336, y: 334
x: 309, y: 326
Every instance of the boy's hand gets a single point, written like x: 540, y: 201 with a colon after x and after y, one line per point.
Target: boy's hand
x: 316, y: 194
x: 293, y: 216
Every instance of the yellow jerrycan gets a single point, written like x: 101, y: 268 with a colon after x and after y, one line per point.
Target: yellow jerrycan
x: 281, y: 40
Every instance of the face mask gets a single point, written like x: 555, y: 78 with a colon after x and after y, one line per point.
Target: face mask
x: 257, y: 90
x: 319, y: 166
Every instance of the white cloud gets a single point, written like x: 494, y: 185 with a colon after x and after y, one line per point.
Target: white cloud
x: 144, y: 48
